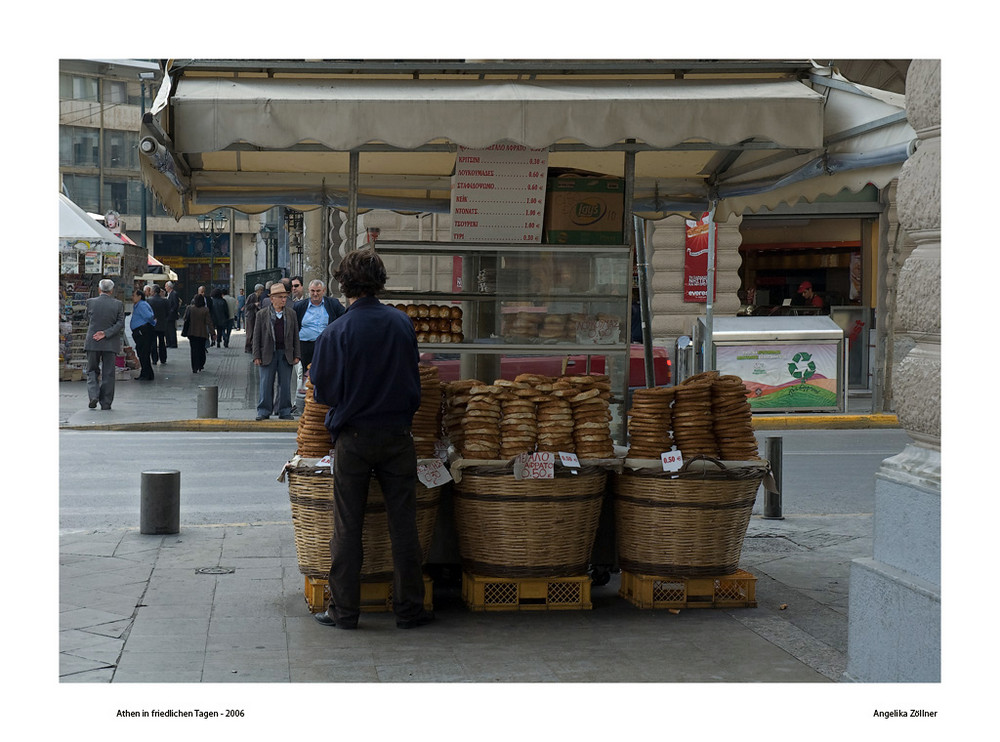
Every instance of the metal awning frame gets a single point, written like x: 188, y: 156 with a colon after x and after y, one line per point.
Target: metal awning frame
x: 717, y: 182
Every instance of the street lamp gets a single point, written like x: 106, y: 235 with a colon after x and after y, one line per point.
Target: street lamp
x: 212, y: 224
x: 293, y: 225
x: 269, y: 234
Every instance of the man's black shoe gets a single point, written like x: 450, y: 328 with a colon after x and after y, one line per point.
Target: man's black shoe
x: 327, y: 620
x: 421, y: 619
x: 93, y: 403
x: 261, y: 417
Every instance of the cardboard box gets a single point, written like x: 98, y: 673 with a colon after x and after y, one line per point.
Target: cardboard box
x: 583, y: 210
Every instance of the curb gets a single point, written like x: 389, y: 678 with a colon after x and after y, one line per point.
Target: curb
x: 777, y: 422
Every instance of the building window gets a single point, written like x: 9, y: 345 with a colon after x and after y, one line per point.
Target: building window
x: 78, y: 88
x: 84, y: 191
x: 115, y: 92
x: 116, y: 196
x: 121, y: 149
x: 78, y: 146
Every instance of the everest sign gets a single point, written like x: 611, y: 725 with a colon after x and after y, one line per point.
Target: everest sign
x: 696, y: 260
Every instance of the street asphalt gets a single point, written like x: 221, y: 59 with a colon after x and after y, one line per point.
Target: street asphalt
x: 225, y: 604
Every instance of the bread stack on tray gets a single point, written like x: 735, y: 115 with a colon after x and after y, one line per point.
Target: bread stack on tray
x: 518, y: 424
x: 694, y: 428
x: 650, y: 422
x: 426, y: 426
x: 312, y: 440
x: 481, y: 423
x: 732, y: 420
x: 589, y: 399
x: 456, y: 397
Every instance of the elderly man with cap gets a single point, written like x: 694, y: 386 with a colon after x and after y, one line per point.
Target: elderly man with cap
x: 806, y: 297
x: 276, y: 350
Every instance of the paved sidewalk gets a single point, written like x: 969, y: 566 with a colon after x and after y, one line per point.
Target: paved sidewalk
x: 225, y: 603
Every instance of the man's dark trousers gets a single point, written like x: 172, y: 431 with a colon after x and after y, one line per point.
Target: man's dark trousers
x: 392, y: 457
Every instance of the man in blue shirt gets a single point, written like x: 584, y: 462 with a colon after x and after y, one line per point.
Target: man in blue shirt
x: 365, y: 368
x: 314, y: 314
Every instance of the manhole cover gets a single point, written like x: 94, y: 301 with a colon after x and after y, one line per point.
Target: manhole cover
x: 215, y: 571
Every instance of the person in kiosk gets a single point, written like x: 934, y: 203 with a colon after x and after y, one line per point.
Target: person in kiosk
x: 365, y: 368
x: 806, y: 297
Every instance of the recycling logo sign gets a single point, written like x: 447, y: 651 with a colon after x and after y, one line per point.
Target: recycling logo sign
x: 802, y: 366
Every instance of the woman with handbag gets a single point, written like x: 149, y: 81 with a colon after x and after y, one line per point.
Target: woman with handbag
x: 198, y: 328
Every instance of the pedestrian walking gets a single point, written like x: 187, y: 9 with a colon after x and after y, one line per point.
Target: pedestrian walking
x: 141, y: 324
x: 231, y: 308
x: 250, y: 313
x: 174, y: 303
x: 365, y: 368
x: 161, y: 313
x: 105, y: 325
x: 241, y: 302
x: 220, y: 316
x: 275, y: 352
x: 198, y: 328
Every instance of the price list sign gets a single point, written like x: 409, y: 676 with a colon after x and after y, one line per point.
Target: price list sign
x: 498, y: 194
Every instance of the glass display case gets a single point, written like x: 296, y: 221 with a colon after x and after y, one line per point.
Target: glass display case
x: 490, y: 311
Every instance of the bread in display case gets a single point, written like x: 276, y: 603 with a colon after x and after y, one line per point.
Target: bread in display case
x: 489, y: 311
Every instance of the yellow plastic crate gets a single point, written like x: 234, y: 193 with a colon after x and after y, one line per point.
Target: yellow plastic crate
x: 526, y: 594
x: 376, y: 597
x: 736, y: 590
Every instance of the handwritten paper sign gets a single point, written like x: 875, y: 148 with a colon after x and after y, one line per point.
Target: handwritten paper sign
x: 534, y: 465
x: 432, y: 473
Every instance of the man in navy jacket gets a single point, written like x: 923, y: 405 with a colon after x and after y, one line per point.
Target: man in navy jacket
x: 365, y: 368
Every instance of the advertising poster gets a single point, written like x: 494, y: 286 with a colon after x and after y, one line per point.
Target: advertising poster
x: 112, y: 263
x: 796, y: 375
x: 696, y: 260
x: 92, y: 262
x: 69, y: 262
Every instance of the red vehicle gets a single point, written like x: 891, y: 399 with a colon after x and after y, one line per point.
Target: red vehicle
x: 576, y: 365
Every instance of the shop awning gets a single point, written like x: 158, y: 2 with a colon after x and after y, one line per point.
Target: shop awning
x: 250, y: 137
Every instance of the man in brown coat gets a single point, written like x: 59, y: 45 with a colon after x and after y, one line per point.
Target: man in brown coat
x: 275, y: 351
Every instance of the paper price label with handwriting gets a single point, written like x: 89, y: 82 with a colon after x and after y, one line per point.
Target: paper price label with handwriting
x: 534, y: 465
x: 432, y: 473
x: 671, y: 460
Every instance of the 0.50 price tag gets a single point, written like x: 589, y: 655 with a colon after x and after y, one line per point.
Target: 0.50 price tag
x: 534, y: 465
x: 672, y: 460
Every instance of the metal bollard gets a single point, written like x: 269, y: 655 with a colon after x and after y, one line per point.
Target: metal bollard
x: 208, y: 401
x: 160, y: 502
x: 772, y: 500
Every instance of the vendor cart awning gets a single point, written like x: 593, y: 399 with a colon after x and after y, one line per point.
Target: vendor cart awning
x: 252, y: 134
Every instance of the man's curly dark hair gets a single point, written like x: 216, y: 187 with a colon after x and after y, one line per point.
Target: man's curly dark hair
x: 361, y: 273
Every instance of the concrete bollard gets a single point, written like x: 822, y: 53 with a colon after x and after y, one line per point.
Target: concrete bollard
x: 208, y: 401
x: 160, y: 502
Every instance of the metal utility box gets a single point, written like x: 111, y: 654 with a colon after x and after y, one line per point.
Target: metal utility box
x: 787, y: 363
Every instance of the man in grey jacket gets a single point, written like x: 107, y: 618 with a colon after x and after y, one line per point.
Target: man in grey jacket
x: 105, y: 323
x: 275, y: 351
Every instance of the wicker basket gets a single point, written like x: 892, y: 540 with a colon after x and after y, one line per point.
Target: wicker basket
x: 530, y: 527
x: 688, y: 524
x: 311, y: 497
